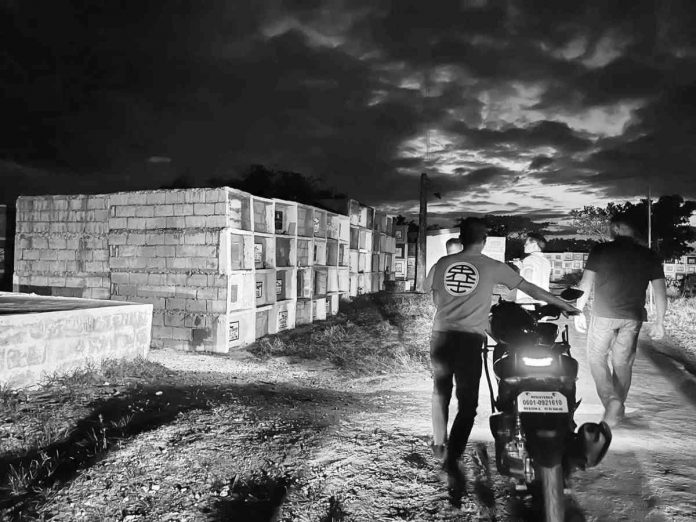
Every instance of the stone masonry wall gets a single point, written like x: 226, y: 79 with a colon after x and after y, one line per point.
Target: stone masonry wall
x: 164, y: 250
x: 62, y: 247
x: 218, y: 265
x: 33, y: 345
x: 157, y: 247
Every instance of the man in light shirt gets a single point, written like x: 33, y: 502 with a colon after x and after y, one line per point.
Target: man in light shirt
x: 534, y: 268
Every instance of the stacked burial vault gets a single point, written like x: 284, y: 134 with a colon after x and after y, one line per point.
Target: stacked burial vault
x: 221, y: 267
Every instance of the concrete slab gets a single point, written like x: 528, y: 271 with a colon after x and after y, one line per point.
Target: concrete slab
x: 41, y: 335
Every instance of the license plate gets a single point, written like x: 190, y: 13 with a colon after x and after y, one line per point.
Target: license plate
x: 542, y: 402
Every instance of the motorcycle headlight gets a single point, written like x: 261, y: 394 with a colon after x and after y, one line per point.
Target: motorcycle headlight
x: 537, y: 361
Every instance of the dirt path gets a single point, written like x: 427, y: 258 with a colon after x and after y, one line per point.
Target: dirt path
x: 223, y: 438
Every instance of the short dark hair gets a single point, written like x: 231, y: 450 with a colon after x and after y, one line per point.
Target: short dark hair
x: 538, y: 239
x: 636, y: 226
x: 472, y: 230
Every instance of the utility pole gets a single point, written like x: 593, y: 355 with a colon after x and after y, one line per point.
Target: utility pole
x: 422, y: 226
x: 649, y: 219
x: 650, y: 288
x: 423, y: 215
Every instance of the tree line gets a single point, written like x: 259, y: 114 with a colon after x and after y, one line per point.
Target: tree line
x: 671, y: 233
x: 267, y: 182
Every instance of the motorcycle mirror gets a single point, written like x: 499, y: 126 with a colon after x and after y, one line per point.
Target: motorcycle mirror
x: 571, y: 294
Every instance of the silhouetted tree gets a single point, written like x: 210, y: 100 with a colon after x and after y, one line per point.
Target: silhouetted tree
x: 412, y: 224
x: 511, y: 226
x: 671, y: 232
x: 563, y: 244
x: 181, y: 182
x: 514, y: 228
x: 269, y: 183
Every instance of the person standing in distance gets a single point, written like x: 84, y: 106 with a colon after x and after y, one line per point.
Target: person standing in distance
x: 619, y: 273
x: 453, y: 245
x: 462, y: 287
x: 535, y: 268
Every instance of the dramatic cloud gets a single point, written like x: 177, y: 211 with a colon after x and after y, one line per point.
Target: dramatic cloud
x: 517, y: 106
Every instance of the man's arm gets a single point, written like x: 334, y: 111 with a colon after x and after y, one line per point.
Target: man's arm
x: 428, y: 283
x: 660, y: 290
x: 542, y: 295
x: 585, y: 284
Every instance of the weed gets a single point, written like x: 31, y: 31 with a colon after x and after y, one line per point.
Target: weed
x: 49, y: 431
x: 372, y: 334
x: 19, y: 477
x: 140, y: 368
x: 123, y: 422
x: 10, y: 398
x: 27, y: 476
x: 74, y: 379
x: 269, y: 346
x: 680, y: 323
x: 116, y: 370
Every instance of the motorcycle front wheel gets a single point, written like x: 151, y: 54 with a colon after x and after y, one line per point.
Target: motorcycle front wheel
x: 552, y: 493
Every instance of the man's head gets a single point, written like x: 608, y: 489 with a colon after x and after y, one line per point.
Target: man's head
x: 473, y: 233
x: 453, y: 245
x: 623, y: 226
x: 534, y: 243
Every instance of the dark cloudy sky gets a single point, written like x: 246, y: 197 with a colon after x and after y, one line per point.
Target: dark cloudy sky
x: 532, y: 107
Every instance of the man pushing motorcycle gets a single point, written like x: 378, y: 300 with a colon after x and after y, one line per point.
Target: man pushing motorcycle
x: 462, y: 287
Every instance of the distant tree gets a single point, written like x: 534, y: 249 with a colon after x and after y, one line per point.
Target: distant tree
x: 497, y: 225
x: 514, y: 228
x: 270, y: 183
x: 592, y: 221
x: 402, y: 220
x: 181, y: 182
x: 671, y: 232
x: 562, y: 244
x: 511, y: 226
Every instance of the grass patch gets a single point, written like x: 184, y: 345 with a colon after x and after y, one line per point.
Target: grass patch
x: 110, y: 370
x: 680, y: 323
x: 371, y: 334
x: 10, y: 398
x: 680, y: 331
x: 44, y: 424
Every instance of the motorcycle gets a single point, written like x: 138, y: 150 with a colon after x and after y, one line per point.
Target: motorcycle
x: 532, y: 422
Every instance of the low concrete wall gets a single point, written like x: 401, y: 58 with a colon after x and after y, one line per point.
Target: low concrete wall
x: 33, y: 344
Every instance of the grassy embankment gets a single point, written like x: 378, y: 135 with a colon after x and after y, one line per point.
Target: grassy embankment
x: 373, y: 333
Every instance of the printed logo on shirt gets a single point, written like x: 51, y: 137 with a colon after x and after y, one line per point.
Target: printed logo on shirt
x: 461, y: 278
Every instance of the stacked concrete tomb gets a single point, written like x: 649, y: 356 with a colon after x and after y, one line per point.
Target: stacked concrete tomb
x: 221, y: 267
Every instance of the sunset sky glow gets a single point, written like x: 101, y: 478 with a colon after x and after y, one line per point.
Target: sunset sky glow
x: 530, y: 107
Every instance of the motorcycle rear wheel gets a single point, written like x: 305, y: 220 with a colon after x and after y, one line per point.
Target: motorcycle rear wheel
x: 552, y: 493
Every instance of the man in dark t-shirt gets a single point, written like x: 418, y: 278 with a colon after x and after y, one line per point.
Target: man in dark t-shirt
x: 619, y: 273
